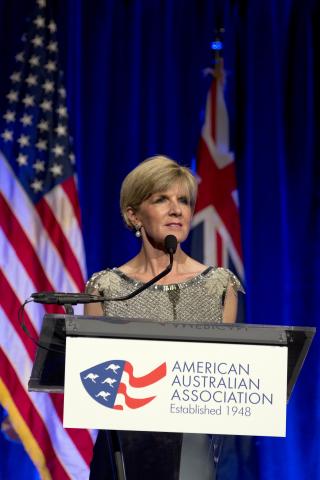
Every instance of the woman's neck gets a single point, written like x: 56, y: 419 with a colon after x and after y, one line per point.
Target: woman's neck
x: 153, y: 261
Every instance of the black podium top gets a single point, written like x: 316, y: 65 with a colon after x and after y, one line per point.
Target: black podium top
x: 48, y: 369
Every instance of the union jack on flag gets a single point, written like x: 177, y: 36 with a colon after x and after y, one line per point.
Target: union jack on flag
x: 216, y: 225
x: 41, y: 245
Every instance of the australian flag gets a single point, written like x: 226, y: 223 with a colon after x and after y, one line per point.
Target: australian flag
x: 216, y: 238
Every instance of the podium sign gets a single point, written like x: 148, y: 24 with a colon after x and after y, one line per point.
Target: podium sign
x: 175, y: 386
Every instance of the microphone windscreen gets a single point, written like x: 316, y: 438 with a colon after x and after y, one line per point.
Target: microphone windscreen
x: 170, y: 244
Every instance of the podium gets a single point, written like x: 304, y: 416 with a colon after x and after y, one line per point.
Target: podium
x: 48, y: 373
x: 201, y: 378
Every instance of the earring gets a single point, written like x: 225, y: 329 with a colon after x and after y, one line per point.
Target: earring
x: 138, y: 231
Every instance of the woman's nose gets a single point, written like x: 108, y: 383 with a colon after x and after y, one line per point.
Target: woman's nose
x: 175, y: 207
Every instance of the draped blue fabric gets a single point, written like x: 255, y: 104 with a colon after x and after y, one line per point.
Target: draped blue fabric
x: 134, y: 77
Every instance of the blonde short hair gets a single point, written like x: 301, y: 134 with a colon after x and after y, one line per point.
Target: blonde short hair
x: 155, y: 174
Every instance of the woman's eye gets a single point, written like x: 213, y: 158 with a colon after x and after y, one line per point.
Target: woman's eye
x: 184, y: 200
x: 159, y: 199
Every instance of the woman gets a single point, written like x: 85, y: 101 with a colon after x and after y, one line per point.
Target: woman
x: 157, y: 199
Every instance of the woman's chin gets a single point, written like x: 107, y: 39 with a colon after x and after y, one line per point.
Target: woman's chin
x: 158, y: 240
x: 180, y: 236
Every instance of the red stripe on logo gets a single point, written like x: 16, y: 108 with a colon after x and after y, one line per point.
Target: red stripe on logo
x: 131, y: 402
x: 148, y: 379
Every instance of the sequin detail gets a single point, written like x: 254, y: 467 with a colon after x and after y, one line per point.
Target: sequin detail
x: 104, y: 283
x: 197, y: 300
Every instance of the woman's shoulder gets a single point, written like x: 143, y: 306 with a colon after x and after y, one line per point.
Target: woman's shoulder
x: 102, y: 280
x: 223, y: 278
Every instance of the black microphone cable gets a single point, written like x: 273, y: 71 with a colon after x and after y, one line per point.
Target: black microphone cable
x: 27, y: 332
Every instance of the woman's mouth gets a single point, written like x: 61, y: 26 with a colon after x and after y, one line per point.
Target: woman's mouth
x: 174, y: 225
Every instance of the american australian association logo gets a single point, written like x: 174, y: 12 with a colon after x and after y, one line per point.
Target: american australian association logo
x: 114, y: 385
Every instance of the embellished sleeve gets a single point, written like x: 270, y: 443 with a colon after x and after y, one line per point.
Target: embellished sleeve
x: 219, y: 282
x: 234, y: 282
x: 94, y: 284
x: 105, y: 283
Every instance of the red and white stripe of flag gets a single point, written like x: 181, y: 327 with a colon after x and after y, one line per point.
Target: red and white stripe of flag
x: 41, y: 248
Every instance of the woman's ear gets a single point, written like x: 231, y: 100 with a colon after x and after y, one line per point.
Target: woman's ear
x: 132, y: 216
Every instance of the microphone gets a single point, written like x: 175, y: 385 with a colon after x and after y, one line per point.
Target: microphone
x: 60, y: 298
x: 170, y: 244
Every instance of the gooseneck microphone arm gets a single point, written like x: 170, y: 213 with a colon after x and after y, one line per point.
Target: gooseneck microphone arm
x: 59, y: 298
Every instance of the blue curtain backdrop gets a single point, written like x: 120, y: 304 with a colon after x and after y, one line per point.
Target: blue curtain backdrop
x: 133, y: 72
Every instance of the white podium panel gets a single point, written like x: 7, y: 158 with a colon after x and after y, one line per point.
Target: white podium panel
x: 168, y: 386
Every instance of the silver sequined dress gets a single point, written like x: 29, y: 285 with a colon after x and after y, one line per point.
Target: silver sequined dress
x: 169, y: 456
x: 199, y: 299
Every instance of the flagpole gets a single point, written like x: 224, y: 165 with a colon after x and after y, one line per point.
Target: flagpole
x: 217, y: 48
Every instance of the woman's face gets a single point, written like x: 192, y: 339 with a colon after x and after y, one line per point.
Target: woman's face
x: 165, y: 213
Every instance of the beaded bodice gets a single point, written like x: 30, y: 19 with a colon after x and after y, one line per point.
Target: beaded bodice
x: 197, y: 300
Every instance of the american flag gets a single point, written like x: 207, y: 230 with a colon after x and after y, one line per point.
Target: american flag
x: 216, y: 225
x: 41, y: 245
